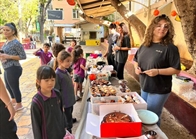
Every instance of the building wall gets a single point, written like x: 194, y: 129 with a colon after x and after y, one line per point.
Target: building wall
x: 164, y: 8
x: 67, y: 12
x: 68, y: 20
x: 86, y: 28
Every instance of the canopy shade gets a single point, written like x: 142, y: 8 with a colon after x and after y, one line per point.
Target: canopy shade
x: 96, y: 8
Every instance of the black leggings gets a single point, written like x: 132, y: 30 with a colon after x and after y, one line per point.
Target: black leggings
x: 68, y: 113
x: 11, y: 77
x: 120, y: 70
x: 110, y: 59
x: 7, y: 128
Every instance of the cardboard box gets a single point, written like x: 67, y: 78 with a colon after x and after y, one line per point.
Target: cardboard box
x: 94, y: 125
x: 141, y: 105
x: 96, y: 102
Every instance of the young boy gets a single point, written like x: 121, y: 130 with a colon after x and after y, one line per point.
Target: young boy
x: 44, y: 54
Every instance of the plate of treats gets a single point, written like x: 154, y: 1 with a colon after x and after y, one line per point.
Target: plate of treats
x: 101, y: 91
x: 123, y: 86
x: 100, y: 82
x: 147, y: 117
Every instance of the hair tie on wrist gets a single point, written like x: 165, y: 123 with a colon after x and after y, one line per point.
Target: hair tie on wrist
x: 8, y: 104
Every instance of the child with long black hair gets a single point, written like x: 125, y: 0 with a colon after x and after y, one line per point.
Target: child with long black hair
x: 65, y: 85
x: 79, y: 64
x: 48, y: 119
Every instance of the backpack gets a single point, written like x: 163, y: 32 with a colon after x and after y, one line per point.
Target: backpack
x: 38, y: 100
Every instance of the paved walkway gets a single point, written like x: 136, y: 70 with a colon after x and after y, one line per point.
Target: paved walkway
x: 28, y: 89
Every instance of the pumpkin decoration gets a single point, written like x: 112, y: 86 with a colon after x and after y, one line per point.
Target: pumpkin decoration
x: 92, y: 77
x: 156, y: 12
x: 173, y: 13
x: 71, y: 2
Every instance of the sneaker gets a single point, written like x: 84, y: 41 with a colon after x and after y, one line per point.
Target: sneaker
x: 74, y: 120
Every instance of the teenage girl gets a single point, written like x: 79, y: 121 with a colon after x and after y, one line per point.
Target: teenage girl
x: 48, y: 119
x: 65, y: 85
x: 79, y: 64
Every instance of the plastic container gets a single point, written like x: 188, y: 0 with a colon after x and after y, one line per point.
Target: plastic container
x: 140, y: 103
x: 97, y: 101
x: 180, y: 86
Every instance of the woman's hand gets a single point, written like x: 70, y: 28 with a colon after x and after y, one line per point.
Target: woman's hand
x: 152, y: 72
x: 11, y: 111
x: 4, y: 56
x: 138, y: 70
x: 116, y: 48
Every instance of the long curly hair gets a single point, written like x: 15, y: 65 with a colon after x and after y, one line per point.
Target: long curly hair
x: 167, y: 39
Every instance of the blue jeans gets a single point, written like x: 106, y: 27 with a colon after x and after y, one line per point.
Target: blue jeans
x: 11, y: 77
x: 155, y: 102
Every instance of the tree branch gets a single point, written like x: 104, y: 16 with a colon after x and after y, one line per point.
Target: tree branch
x: 95, y: 20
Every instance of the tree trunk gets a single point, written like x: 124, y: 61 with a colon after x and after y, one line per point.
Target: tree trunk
x: 42, y: 18
x: 187, y: 12
x: 137, y: 24
x: 95, y: 21
x: 41, y: 25
x: 131, y: 36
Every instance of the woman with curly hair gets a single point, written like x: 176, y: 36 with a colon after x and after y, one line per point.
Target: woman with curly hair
x: 155, y: 62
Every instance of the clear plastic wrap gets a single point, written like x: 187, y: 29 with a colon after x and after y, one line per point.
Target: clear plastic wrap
x: 181, y: 86
x: 190, y: 96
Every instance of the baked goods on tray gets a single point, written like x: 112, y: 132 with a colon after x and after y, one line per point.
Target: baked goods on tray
x: 117, y: 117
x: 99, y: 82
x: 100, y: 91
x: 130, y: 99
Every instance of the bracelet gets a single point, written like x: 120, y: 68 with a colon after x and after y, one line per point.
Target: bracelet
x: 158, y: 71
x: 8, y: 104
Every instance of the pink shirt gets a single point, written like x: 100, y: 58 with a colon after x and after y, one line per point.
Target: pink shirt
x: 45, y: 57
x: 77, y: 69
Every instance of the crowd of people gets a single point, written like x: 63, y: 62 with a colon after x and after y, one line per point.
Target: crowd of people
x: 62, y: 72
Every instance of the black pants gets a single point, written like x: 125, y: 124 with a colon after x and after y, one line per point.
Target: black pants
x: 68, y: 113
x: 7, y: 128
x: 120, y: 70
x: 110, y: 59
x: 11, y: 77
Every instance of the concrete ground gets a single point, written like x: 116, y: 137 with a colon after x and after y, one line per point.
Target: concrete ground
x: 27, y: 85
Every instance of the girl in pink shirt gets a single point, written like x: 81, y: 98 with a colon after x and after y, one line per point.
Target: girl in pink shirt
x: 79, y: 64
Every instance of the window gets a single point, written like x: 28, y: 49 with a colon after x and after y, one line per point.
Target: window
x: 75, y: 13
x: 93, y: 35
x: 59, y: 9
